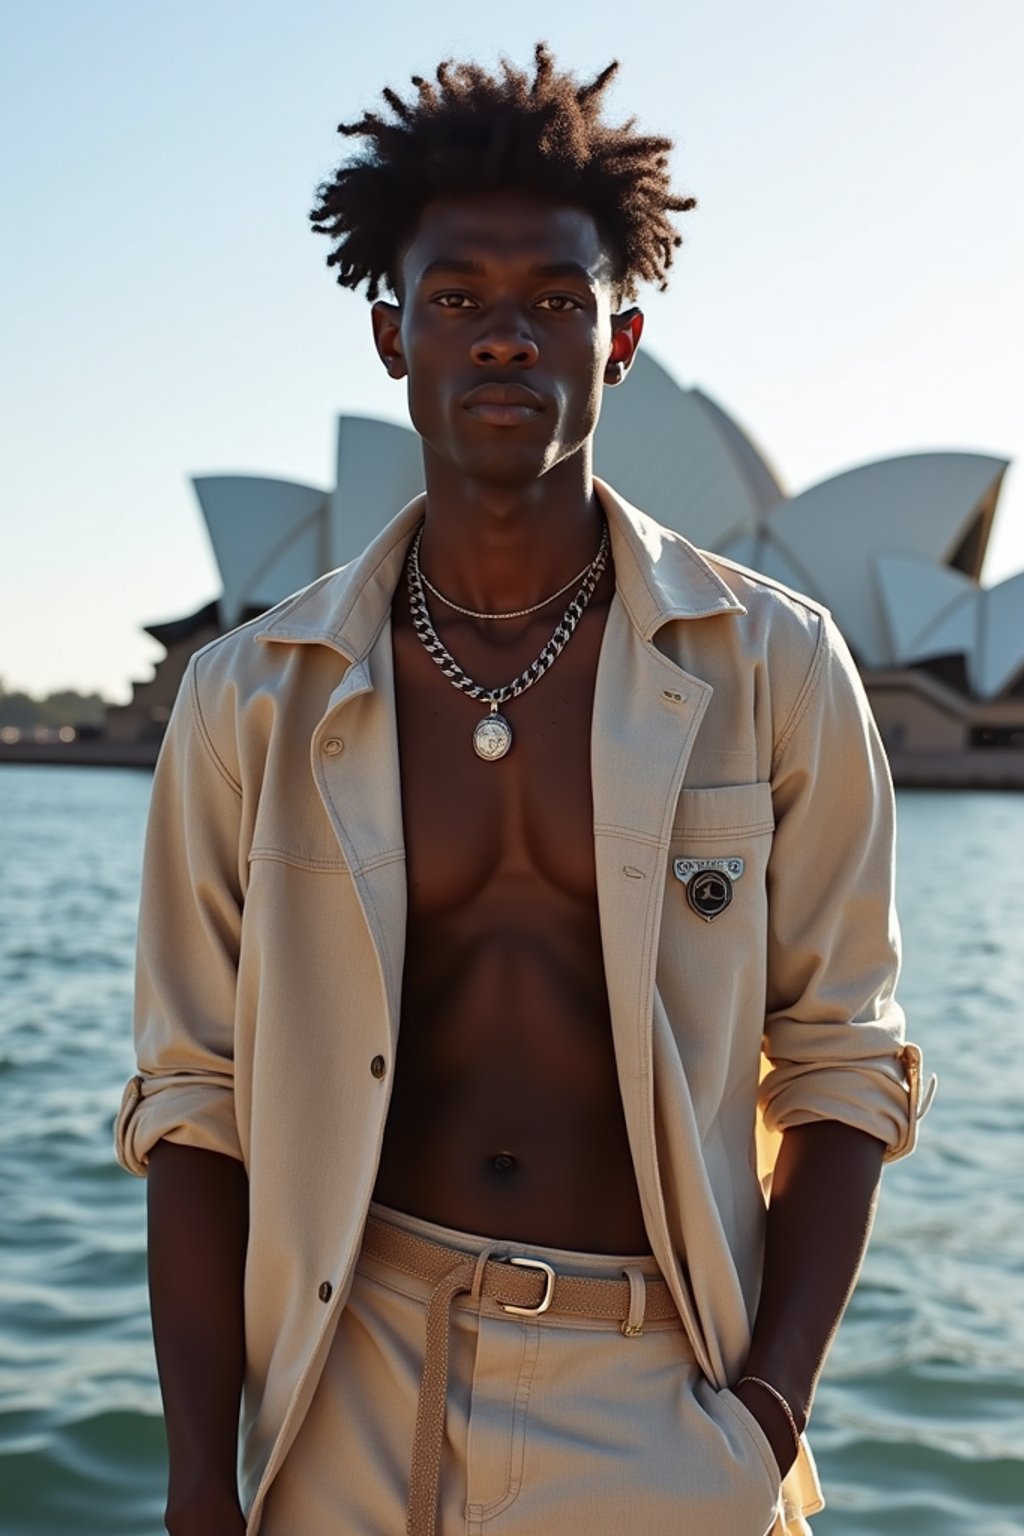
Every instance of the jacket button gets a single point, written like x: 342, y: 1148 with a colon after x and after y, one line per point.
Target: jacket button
x: 333, y: 745
x: 325, y: 1290
x: 378, y: 1066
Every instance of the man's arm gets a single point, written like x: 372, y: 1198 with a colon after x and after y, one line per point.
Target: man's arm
x: 822, y: 1205
x: 198, y: 1228
x: 842, y: 1088
x: 177, y: 1120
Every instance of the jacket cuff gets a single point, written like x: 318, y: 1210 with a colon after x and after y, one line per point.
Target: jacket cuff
x: 195, y: 1112
x: 882, y: 1097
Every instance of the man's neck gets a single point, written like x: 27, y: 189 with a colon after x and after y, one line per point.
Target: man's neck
x: 498, y: 548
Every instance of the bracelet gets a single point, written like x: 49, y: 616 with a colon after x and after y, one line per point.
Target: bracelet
x: 787, y: 1410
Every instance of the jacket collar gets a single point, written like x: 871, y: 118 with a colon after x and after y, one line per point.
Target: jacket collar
x: 659, y: 577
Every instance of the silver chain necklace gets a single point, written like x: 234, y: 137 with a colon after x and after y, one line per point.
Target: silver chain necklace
x: 492, y: 737
x: 518, y: 613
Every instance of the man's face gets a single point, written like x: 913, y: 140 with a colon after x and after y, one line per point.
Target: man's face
x: 506, y: 334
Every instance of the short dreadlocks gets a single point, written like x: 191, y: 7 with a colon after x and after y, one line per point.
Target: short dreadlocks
x: 469, y: 132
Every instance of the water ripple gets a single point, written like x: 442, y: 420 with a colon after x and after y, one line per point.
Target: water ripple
x: 919, y: 1422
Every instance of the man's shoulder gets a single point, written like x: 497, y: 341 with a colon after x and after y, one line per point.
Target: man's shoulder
x: 304, y: 614
x: 790, y: 615
x: 776, y: 596
x: 241, y: 659
x: 342, y: 610
x: 762, y: 606
x: 236, y: 686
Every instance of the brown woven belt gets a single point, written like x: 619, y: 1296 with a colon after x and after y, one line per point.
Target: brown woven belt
x: 521, y: 1286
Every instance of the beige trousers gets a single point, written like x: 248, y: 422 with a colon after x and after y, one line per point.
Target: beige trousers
x: 554, y: 1426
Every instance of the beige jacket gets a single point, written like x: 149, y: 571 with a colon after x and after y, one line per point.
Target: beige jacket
x: 728, y: 722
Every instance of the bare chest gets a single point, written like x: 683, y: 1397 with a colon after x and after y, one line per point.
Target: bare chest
x: 524, y: 819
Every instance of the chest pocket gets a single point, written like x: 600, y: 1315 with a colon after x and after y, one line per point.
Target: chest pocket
x: 724, y: 810
x: 290, y: 825
x: 713, y: 952
x: 718, y: 855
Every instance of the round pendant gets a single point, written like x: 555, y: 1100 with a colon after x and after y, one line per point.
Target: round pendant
x: 492, y: 737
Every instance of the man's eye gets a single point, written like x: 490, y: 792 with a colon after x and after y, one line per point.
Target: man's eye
x: 453, y: 300
x: 559, y: 303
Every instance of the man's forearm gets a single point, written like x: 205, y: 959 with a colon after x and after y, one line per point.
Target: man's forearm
x: 198, y: 1231
x: 819, y: 1218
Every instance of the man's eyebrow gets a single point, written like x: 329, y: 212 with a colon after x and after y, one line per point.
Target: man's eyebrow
x: 564, y: 269
x: 453, y: 264
x: 467, y: 268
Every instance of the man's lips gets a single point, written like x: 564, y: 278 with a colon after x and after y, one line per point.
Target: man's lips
x: 503, y: 405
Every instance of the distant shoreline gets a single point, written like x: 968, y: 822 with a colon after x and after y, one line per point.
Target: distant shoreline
x: 85, y: 752
x: 980, y: 768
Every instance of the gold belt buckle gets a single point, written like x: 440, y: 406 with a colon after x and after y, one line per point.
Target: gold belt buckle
x: 549, y: 1288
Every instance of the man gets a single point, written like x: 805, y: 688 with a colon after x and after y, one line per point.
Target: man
x: 478, y: 875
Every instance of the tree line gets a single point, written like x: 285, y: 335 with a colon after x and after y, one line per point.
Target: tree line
x: 64, y: 707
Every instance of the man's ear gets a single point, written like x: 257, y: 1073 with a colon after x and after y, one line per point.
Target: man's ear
x: 387, y: 336
x: 627, y: 328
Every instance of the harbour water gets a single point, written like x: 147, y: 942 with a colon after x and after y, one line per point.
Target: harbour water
x: 919, y: 1424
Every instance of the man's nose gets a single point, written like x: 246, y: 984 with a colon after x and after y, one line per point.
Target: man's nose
x: 506, y: 342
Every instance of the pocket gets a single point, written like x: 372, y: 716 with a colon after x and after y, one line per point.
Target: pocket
x: 721, y: 842
x: 291, y: 826
x: 713, y: 953
x: 729, y: 810
x: 320, y: 861
x: 502, y: 1378
x: 756, y: 1434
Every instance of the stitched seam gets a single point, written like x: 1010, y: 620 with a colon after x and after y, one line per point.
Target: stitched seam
x: 298, y: 860
x: 487, y: 1511
x: 378, y: 931
x: 517, y: 1435
x: 740, y: 829
x: 204, y: 735
x: 803, y: 698
x: 605, y: 829
x: 655, y: 909
x: 393, y: 856
x: 310, y: 861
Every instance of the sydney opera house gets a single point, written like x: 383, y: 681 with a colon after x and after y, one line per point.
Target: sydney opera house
x: 894, y: 548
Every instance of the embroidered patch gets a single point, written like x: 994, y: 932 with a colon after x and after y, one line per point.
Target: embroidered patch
x: 709, y: 883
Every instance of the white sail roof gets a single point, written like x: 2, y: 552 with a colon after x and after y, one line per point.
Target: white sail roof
x: 893, y: 548
x: 267, y: 536
x: 675, y: 453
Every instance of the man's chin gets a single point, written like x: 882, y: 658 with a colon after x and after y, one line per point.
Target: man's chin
x: 508, y: 465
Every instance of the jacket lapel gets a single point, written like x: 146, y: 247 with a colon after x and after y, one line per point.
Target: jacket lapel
x: 647, y: 712
x: 361, y: 791
x: 349, y: 611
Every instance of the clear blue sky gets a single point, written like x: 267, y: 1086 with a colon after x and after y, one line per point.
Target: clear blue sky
x: 850, y: 286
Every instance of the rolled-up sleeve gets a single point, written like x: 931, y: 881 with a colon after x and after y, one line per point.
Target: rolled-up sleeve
x: 834, y: 1034
x: 188, y: 944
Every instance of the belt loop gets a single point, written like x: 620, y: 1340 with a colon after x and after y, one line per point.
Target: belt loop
x: 633, y: 1327
x: 478, y: 1273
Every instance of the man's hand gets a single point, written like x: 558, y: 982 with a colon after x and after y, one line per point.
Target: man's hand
x: 768, y: 1413
x: 822, y: 1201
